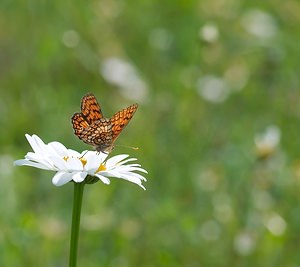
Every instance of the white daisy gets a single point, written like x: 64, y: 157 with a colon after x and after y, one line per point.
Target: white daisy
x: 72, y: 165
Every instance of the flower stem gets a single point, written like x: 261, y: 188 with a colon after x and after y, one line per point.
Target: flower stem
x: 77, y: 202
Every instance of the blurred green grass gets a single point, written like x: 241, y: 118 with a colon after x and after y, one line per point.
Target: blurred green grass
x: 210, y: 76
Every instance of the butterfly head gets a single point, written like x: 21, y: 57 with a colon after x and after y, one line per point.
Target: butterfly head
x: 104, y: 148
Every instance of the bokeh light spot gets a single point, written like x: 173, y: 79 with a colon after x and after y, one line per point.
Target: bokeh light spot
x: 70, y: 38
x: 213, y: 89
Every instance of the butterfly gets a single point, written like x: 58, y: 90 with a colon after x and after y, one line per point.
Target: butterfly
x: 92, y: 128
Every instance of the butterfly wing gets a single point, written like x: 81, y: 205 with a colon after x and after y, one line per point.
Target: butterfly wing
x: 98, y: 134
x: 79, y: 122
x: 90, y: 108
x: 121, y: 119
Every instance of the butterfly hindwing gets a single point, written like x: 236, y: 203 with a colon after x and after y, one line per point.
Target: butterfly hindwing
x: 97, y: 133
x: 79, y: 122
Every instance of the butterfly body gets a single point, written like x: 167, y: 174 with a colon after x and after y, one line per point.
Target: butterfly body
x: 92, y: 128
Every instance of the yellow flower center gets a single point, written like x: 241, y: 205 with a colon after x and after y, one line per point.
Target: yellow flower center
x: 101, y: 168
x: 83, y: 161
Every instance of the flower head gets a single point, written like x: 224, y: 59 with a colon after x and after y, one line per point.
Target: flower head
x: 267, y: 142
x: 71, y: 165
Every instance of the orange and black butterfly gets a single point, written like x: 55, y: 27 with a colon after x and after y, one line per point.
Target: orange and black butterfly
x: 90, y: 126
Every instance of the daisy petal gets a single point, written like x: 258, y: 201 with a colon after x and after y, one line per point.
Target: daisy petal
x: 127, y: 160
x: 24, y: 162
x: 58, y: 162
x: 93, y: 154
x: 103, y: 178
x: 33, y: 143
x: 78, y: 177
x: 38, y: 144
x: 61, y: 178
x: 114, y: 160
x: 37, y: 158
x: 133, y: 179
x: 118, y: 174
x: 74, y: 164
x: 130, y: 168
x: 59, y: 148
x: 73, y: 153
x: 93, y: 161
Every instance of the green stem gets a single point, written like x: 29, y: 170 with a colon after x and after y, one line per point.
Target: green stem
x: 77, y: 202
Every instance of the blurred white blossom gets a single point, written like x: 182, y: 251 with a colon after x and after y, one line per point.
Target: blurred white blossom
x: 275, y: 224
x: 244, y: 243
x: 210, y: 230
x: 259, y: 23
x: 70, y: 38
x: 209, y: 33
x: 213, y: 89
x: 160, y: 39
x: 267, y: 141
x: 124, y: 75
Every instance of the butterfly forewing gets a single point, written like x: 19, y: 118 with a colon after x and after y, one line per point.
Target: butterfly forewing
x: 121, y: 119
x: 90, y: 108
x: 93, y: 129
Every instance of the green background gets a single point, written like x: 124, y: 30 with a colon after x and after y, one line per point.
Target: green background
x: 210, y: 77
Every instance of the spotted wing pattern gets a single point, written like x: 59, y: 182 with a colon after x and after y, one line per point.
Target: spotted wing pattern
x: 90, y: 108
x: 79, y: 122
x: 121, y: 119
x: 93, y: 129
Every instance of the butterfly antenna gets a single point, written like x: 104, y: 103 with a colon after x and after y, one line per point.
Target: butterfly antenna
x: 134, y: 148
x: 84, y: 154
